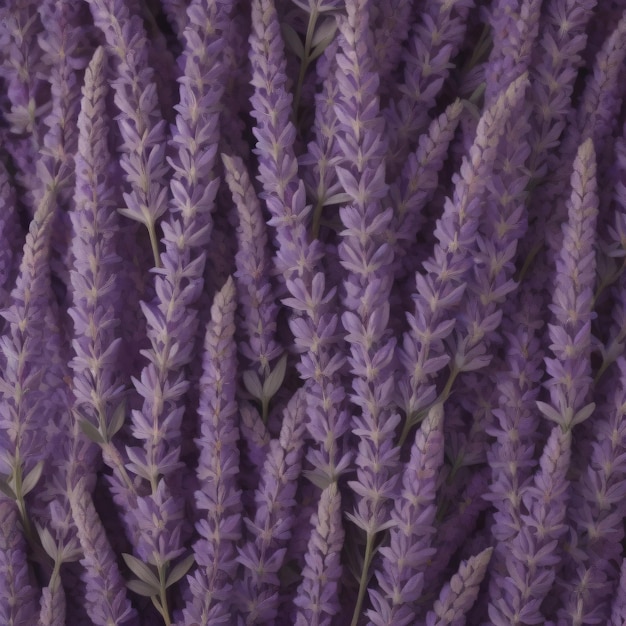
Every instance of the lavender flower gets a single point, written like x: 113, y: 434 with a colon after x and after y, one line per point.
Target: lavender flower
x: 405, y: 560
x: 95, y: 265
x: 262, y: 555
x: 317, y: 599
x: 105, y: 589
x: 259, y: 308
x: 314, y: 324
x: 457, y: 597
x: 140, y: 123
x: 438, y: 292
x: 218, y: 497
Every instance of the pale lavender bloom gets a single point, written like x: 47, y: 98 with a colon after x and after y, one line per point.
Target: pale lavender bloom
x: 313, y: 321
x: 534, y: 553
x: 27, y: 427
x: 439, y: 292
x: 514, y: 426
x: 52, y: 611
x: 105, y: 595
x: 597, y: 510
x: 570, y: 369
x: 140, y: 123
x: 458, y: 596
x: 317, y: 597
x: 404, y: 561
x: 255, y: 290
x: 367, y: 262
x: 97, y: 382
x: 262, y: 555
x: 218, y: 496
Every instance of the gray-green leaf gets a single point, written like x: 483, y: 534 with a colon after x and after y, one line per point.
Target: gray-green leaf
x: 142, y: 588
x: 252, y: 383
x: 91, y: 432
x: 325, y: 32
x: 338, y: 198
x: 6, y: 488
x: 180, y: 570
x: 117, y: 421
x: 275, y: 379
x: 292, y: 39
x: 141, y: 570
x: 48, y: 543
x: 32, y: 478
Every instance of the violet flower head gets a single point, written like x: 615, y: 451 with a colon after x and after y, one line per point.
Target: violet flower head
x: 317, y: 598
x: 218, y: 497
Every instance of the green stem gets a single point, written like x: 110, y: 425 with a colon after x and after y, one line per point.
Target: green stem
x: 317, y: 217
x: 161, y: 602
x: 305, y: 61
x: 369, y: 554
x: 154, y: 242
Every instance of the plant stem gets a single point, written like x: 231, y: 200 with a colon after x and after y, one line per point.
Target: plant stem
x: 154, y: 242
x: 305, y: 61
x: 367, y: 561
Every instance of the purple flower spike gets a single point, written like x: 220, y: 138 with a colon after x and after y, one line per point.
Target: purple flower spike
x: 317, y: 597
x: 218, y: 497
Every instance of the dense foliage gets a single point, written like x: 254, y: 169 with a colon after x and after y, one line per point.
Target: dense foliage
x: 313, y: 312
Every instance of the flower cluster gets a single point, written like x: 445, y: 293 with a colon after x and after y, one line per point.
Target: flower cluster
x: 312, y: 312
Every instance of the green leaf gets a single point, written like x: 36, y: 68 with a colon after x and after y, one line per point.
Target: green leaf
x: 302, y: 5
x: 31, y: 480
x: 6, y: 488
x: 584, y: 413
x: 142, y: 588
x: 275, y: 379
x: 338, y: 198
x: 180, y: 570
x: 252, y: 383
x: 141, y: 570
x: 117, y: 421
x: 91, y: 432
x: 48, y: 543
x: 292, y: 39
x: 318, y: 478
x: 325, y: 32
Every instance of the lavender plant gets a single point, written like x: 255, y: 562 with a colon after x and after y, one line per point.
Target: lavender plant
x: 357, y: 357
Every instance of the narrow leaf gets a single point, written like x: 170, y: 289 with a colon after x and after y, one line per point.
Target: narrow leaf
x: 141, y: 570
x: 325, y: 32
x: 117, y: 421
x: 252, y: 384
x: 292, y: 39
x: 6, y: 489
x: 275, y: 379
x: 48, y: 543
x: 142, y: 588
x: 32, y: 478
x: 91, y: 432
x: 180, y: 570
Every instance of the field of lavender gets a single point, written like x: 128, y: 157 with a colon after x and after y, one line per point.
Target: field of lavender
x: 313, y: 312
